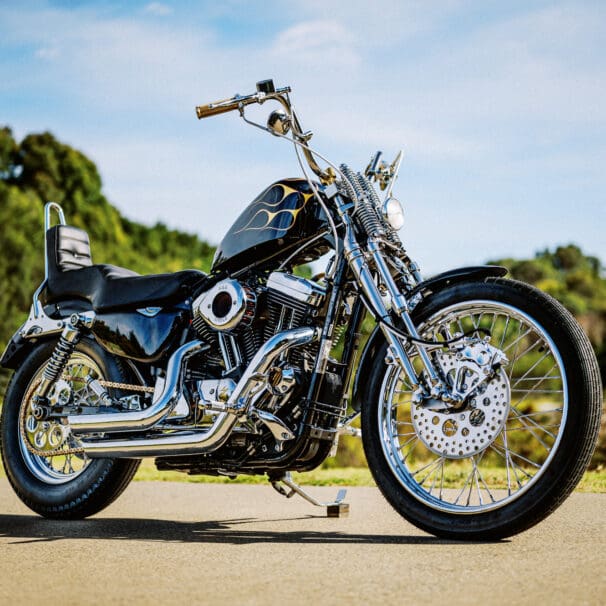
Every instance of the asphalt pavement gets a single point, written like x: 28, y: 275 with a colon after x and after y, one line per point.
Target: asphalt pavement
x: 180, y: 543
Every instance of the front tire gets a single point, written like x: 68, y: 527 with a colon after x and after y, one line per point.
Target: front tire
x: 516, y: 451
x: 62, y: 486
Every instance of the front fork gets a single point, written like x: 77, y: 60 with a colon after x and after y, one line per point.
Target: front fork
x: 358, y: 262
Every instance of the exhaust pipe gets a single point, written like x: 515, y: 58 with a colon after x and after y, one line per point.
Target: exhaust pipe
x: 140, y: 420
x: 214, y: 437
x: 164, y: 445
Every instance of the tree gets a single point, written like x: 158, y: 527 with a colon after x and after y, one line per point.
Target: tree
x: 41, y: 169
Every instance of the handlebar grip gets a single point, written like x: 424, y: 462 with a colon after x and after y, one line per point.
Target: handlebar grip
x: 216, y: 108
x: 266, y: 90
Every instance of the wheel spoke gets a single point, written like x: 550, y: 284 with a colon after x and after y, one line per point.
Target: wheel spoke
x: 494, y: 319
x: 509, y: 466
x: 520, y: 355
x: 428, y: 466
x: 518, y: 338
x: 476, y: 481
x: 534, y: 390
x: 486, y: 488
x: 468, y: 482
x: 440, y: 467
x: 504, y: 333
x: 543, y: 357
x: 531, y: 426
x: 512, y: 454
x: 539, y: 413
x: 543, y: 378
x: 529, y: 391
x: 409, y: 441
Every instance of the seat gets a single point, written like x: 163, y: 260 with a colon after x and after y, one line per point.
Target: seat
x: 72, y: 274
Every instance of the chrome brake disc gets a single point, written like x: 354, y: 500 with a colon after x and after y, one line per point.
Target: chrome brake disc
x: 462, y: 433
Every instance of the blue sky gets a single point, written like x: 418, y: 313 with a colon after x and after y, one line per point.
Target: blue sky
x: 500, y: 108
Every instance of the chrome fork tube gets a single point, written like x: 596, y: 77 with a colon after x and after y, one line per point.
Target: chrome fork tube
x: 356, y: 258
x: 400, y: 306
x: 357, y: 262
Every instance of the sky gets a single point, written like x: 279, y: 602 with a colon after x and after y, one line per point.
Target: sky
x: 500, y: 108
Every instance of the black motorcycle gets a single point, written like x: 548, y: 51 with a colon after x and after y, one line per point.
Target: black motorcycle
x: 479, y: 396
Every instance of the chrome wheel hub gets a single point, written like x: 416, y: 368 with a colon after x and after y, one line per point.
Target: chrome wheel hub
x: 45, y: 435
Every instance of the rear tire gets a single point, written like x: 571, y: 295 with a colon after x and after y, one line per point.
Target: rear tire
x: 561, y: 422
x: 58, y: 490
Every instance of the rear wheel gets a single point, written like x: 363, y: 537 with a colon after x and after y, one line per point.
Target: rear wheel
x: 66, y: 484
x: 518, y: 447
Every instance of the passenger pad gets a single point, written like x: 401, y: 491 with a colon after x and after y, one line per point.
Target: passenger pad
x: 71, y: 247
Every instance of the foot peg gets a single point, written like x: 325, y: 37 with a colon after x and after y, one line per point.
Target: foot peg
x: 334, y: 509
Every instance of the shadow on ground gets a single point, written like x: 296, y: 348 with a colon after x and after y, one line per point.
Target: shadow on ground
x: 32, y: 529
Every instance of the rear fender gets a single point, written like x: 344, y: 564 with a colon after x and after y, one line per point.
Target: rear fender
x: 20, y: 345
x: 421, y: 291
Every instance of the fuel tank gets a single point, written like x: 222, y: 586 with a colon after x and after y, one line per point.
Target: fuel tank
x: 280, y: 219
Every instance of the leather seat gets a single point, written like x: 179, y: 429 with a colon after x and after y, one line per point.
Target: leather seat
x: 71, y: 274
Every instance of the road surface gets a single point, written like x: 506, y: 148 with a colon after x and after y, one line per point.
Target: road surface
x: 182, y: 543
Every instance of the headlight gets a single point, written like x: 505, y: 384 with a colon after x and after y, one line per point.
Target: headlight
x: 393, y: 213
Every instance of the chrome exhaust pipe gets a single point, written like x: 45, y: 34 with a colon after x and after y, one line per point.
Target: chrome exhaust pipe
x: 187, y: 442
x: 164, y: 445
x: 140, y: 420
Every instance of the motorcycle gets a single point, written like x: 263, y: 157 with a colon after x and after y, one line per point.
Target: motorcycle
x: 479, y: 397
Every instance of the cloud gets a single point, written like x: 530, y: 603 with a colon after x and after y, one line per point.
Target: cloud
x: 48, y: 53
x: 158, y: 9
x: 113, y: 63
x: 317, y: 43
x: 491, y: 106
x: 385, y: 24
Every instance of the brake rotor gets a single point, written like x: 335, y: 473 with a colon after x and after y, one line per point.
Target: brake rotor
x: 464, y: 433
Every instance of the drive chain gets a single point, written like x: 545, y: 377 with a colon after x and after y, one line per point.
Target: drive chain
x: 65, y: 451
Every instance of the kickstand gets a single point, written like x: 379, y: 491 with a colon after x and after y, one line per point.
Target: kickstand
x: 334, y: 509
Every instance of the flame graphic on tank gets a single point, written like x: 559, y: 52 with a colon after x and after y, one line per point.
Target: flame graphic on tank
x: 265, y: 218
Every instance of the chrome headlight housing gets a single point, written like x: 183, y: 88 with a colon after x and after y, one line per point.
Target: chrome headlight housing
x: 393, y: 213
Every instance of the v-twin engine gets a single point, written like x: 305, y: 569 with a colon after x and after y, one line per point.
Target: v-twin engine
x: 238, y: 317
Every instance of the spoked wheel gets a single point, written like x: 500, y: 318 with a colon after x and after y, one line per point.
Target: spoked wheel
x: 517, y: 447
x: 36, y: 437
x: 48, y: 471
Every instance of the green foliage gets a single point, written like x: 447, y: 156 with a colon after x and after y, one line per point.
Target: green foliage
x: 574, y: 279
x: 578, y: 282
x: 40, y: 169
x: 8, y: 153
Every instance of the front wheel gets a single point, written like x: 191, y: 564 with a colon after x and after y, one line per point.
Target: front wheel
x: 520, y: 444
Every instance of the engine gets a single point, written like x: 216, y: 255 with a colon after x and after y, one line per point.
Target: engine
x: 236, y: 317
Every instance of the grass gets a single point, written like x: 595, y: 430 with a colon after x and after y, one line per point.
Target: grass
x: 593, y: 481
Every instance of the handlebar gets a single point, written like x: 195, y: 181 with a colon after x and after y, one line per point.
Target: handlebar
x: 265, y: 91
